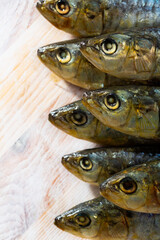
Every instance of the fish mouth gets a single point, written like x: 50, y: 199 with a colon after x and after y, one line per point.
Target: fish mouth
x: 53, y: 115
x: 59, y: 222
x: 39, y: 4
x: 65, y: 160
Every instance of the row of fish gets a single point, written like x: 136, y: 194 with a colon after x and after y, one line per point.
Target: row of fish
x: 126, y: 114
x: 117, y: 59
x: 141, y: 182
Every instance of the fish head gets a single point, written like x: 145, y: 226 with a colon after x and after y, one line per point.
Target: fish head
x: 97, y: 219
x: 79, y: 17
x: 75, y: 120
x: 128, y: 189
x: 130, y: 110
x: 62, y: 58
x: 125, y: 56
x: 62, y: 13
x: 66, y: 61
x: 86, y: 166
x: 83, y: 220
x: 110, y: 106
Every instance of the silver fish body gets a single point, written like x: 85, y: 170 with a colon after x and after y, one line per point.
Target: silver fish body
x: 99, y: 219
x: 94, y: 17
x: 96, y: 165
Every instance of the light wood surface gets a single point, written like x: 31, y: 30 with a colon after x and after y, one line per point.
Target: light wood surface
x: 32, y: 180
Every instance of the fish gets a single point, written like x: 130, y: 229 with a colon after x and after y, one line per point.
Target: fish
x: 75, y: 120
x: 96, y: 165
x: 129, y: 109
x: 136, y: 188
x: 133, y: 55
x: 66, y: 60
x: 99, y: 219
x: 94, y: 17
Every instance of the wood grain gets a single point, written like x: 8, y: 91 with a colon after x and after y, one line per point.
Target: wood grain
x: 32, y: 180
x: 26, y: 86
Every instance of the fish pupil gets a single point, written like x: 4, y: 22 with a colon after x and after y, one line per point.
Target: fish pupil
x: 86, y: 162
x: 62, y: 7
x: 83, y: 220
x: 111, y: 99
x: 109, y: 46
x: 62, y: 54
x: 78, y: 117
x: 128, y: 185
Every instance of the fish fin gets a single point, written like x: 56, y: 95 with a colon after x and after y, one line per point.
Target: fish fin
x: 143, y: 120
x: 143, y: 54
x: 147, y: 117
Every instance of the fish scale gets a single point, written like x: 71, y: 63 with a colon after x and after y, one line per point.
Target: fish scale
x: 94, y: 17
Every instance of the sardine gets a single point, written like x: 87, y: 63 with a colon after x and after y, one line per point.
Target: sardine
x: 66, y: 60
x: 127, y: 55
x: 136, y: 188
x: 94, y: 17
x: 132, y: 110
x: 96, y: 165
x: 77, y: 121
x: 99, y: 219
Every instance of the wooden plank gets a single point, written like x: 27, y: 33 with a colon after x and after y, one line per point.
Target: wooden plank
x: 27, y: 87
x: 32, y: 180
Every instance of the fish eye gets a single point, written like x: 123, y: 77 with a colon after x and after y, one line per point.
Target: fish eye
x: 63, y: 55
x: 83, y: 220
x: 109, y: 46
x: 112, y: 102
x: 79, y: 118
x: 86, y: 164
x: 62, y: 7
x: 128, y: 185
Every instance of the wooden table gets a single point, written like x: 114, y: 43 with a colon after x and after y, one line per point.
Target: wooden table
x: 34, y: 186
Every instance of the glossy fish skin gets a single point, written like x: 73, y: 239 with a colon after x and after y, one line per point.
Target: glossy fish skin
x: 136, y: 188
x: 96, y: 165
x: 99, y: 219
x: 66, y: 60
x: 127, y: 55
x: 132, y: 110
x: 94, y: 17
x: 76, y: 69
x: 76, y: 120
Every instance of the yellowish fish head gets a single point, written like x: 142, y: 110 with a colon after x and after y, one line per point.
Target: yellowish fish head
x: 97, y: 219
x: 75, y: 120
x: 125, y: 56
x: 61, y: 13
x: 110, y: 106
x: 127, y: 189
x: 66, y: 61
x: 79, y: 17
x: 84, y: 220
x: 63, y: 58
x: 86, y: 167
x: 130, y: 110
